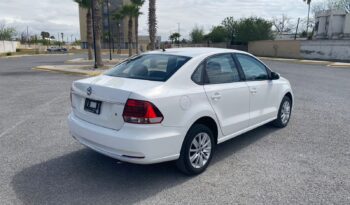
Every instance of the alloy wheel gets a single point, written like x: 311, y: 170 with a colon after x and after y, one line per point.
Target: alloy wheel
x: 200, y: 150
x: 285, y: 112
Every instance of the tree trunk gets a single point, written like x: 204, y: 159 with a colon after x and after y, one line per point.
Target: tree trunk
x: 130, y: 36
x: 89, y: 33
x: 119, y: 40
x: 96, y: 4
x: 152, y: 23
x: 137, y: 33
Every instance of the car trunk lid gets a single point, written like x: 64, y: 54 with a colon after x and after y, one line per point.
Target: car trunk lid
x: 112, y: 94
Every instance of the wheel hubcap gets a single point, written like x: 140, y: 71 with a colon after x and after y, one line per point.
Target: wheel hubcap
x: 285, y: 112
x: 200, y: 150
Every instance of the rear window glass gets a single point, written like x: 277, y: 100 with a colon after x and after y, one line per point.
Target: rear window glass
x: 154, y: 67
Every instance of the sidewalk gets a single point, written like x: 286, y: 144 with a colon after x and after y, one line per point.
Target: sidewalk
x: 80, y: 66
x: 73, y: 69
x: 309, y: 62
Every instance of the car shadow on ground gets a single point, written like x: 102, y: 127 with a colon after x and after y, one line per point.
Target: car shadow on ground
x: 86, y: 177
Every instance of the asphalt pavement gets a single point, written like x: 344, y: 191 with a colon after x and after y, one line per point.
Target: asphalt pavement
x: 306, y: 163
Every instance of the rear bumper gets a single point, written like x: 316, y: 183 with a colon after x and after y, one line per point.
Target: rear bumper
x: 140, y: 144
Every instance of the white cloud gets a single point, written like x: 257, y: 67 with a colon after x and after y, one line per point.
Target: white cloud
x: 57, y: 16
x: 54, y: 16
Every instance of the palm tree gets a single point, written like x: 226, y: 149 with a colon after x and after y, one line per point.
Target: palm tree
x: 175, y: 37
x: 87, y: 5
x: 152, y: 23
x: 138, y: 4
x: 129, y: 11
x: 308, y: 15
x: 118, y: 17
x: 97, y: 12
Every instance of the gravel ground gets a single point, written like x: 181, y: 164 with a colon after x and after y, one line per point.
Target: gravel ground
x: 306, y: 163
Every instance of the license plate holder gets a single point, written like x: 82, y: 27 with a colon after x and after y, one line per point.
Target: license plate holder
x: 93, y: 106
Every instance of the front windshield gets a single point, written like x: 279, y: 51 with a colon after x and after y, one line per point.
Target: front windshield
x: 154, y: 67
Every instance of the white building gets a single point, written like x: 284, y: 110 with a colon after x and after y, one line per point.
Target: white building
x: 332, y: 24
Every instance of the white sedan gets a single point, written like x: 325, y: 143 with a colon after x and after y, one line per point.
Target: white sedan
x: 177, y: 104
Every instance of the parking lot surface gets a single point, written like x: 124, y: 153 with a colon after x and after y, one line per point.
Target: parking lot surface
x: 306, y: 163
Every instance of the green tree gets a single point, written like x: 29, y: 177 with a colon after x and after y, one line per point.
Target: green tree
x: 45, y: 34
x: 97, y: 24
x: 218, y: 34
x: 129, y: 11
x: 175, y: 37
x: 7, y: 33
x: 138, y: 4
x: 253, y: 29
x: 152, y: 23
x: 197, y: 35
x: 230, y: 26
x: 87, y: 5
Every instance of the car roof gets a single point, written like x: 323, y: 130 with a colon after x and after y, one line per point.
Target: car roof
x: 194, y: 52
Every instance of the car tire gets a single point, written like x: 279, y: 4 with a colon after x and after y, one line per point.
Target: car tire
x: 284, y: 113
x: 199, y: 146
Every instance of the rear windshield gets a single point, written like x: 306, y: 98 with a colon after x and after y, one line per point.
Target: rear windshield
x: 154, y: 67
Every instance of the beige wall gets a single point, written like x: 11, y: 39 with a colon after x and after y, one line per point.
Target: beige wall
x: 302, y: 49
x: 284, y: 49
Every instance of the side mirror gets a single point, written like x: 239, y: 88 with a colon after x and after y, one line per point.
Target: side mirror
x: 275, y: 76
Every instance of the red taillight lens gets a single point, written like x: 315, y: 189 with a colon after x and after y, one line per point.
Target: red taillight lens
x: 141, y: 112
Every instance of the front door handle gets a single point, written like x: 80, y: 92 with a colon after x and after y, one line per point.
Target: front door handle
x: 253, y: 90
x: 216, y: 97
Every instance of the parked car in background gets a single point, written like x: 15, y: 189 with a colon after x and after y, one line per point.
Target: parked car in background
x: 177, y: 104
x: 57, y: 49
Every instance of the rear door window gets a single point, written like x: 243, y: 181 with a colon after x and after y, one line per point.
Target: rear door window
x: 221, y: 69
x: 154, y: 67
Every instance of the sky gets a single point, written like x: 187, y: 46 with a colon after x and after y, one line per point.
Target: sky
x: 56, y: 16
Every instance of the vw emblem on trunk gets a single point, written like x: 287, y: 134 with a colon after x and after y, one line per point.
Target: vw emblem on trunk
x: 89, y: 91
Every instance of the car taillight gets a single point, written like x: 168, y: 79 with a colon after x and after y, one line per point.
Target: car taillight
x: 141, y: 112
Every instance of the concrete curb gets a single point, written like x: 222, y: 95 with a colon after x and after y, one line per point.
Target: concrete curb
x: 28, y: 55
x: 67, y: 70
x: 339, y: 65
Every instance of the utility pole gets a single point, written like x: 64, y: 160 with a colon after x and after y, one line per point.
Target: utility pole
x: 109, y: 31
x: 27, y: 36
x: 94, y: 32
x: 178, y: 31
x: 296, y: 32
x: 62, y: 35
x: 308, y: 20
x: 112, y: 29
x: 58, y: 39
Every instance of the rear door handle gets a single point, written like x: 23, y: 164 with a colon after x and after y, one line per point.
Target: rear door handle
x: 216, y: 97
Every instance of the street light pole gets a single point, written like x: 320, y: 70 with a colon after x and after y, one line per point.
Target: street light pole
x: 109, y: 31
x: 93, y: 31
